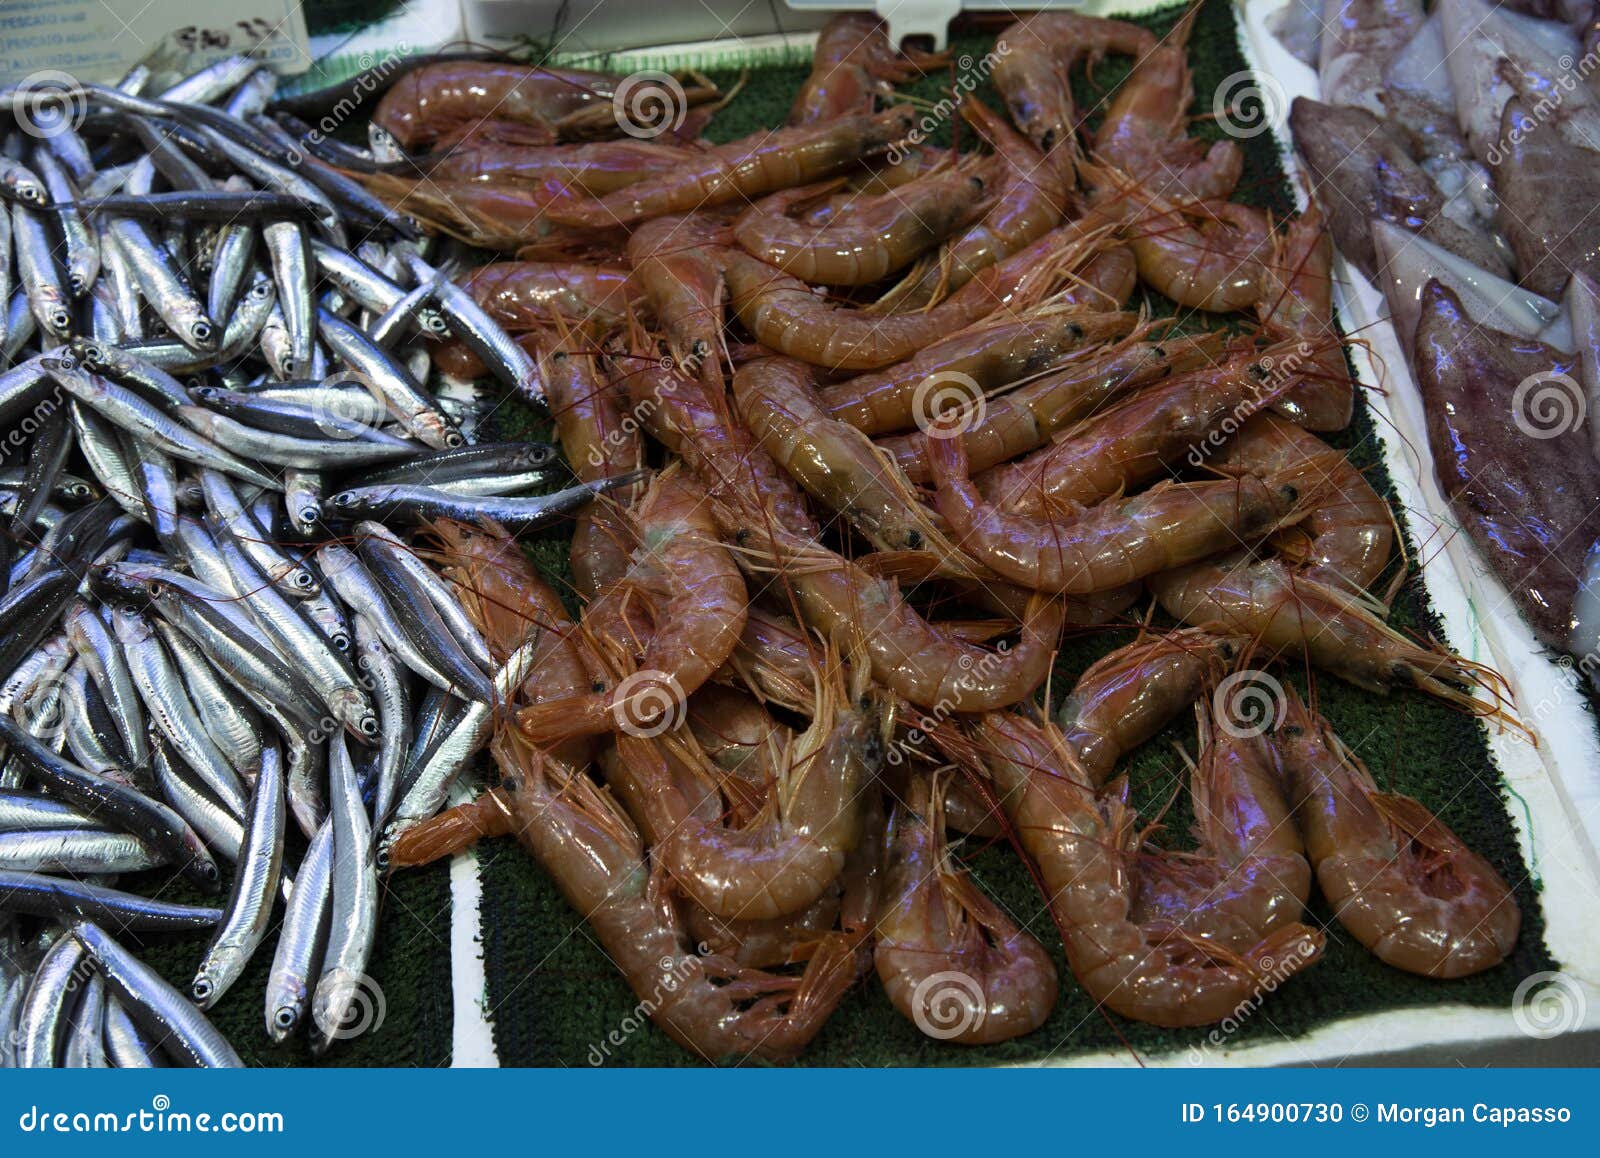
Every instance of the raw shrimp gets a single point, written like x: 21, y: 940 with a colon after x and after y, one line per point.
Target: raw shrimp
x: 775, y: 656
x: 738, y: 734
x: 699, y: 611
x: 1207, y: 255
x: 1140, y: 439
x: 862, y: 615
x: 1267, y: 602
x: 1297, y: 298
x: 781, y: 312
x: 784, y: 860
x: 529, y: 295
x: 870, y: 237
x: 1347, y: 534
x: 598, y: 167
x: 989, y: 355
x: 835, y: 463
x: 853, y: 66
x: 509, y: 603
x: 498, y: 217
x: 431, y: 102
x: 1248, y: 876
x: 1085, y: 849
x: 597, y: 444
x: 677, y: 268
x: 950, y: 959
x: 1143, y: 132
x: 1025, y: 418
x: 743, y: 170
x: 712, y: 1006
x: 695, y: 422
x: 1110, y: 544
x: 1030, y: 199
x: 1126, y: 697
x: 767, y: 944
x: 1399, y: 881
x: 1035, y: 56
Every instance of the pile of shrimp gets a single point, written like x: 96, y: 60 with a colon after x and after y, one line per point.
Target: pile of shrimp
x: 898, y: 422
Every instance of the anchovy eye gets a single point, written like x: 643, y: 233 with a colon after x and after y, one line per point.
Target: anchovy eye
x: 453, y: 439
x: 201, y: 331
x: 201, y: 988
x: 369, y: 726
x: 286, y: 1018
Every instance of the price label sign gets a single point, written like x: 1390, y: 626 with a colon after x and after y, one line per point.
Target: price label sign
x: 102, y: 39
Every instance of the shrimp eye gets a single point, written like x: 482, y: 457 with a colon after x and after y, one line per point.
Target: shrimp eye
x: 511, y: 783
x: 1291, y: 729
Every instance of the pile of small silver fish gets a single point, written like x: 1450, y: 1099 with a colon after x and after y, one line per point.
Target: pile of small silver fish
x: 215, y: 407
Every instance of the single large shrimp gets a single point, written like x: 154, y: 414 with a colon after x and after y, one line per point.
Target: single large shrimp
x: 598, y: 444
x: 863, y: 615
x: 696, y: 422
x: 1297, y: 298
x: 854, y: 65
x: 743, y: 170
x: 781, y: 312
x: 677, y: 267
x: 869, y: 237
x: 1129, y: 695
x: 431, y: 102
x: 500, y: 217
x: 1030, y: 199
x: 1110, y: 544
x: 1139, y: 440
x: 1025, y: 418
x: 597, y: 168
x: 951, y: 960
x: 1265, y: 601
x: 987, y: 356
x: 1248, y: 876
x: 835, y: 463
x: 1035, y: 56
x: 1144, y: 132
x: 1347, y: 534
x: 698, y: 605
x: 530, y: 295
x: 1399, y: 881
x: 1084, y: 846
x: 793, y: 850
